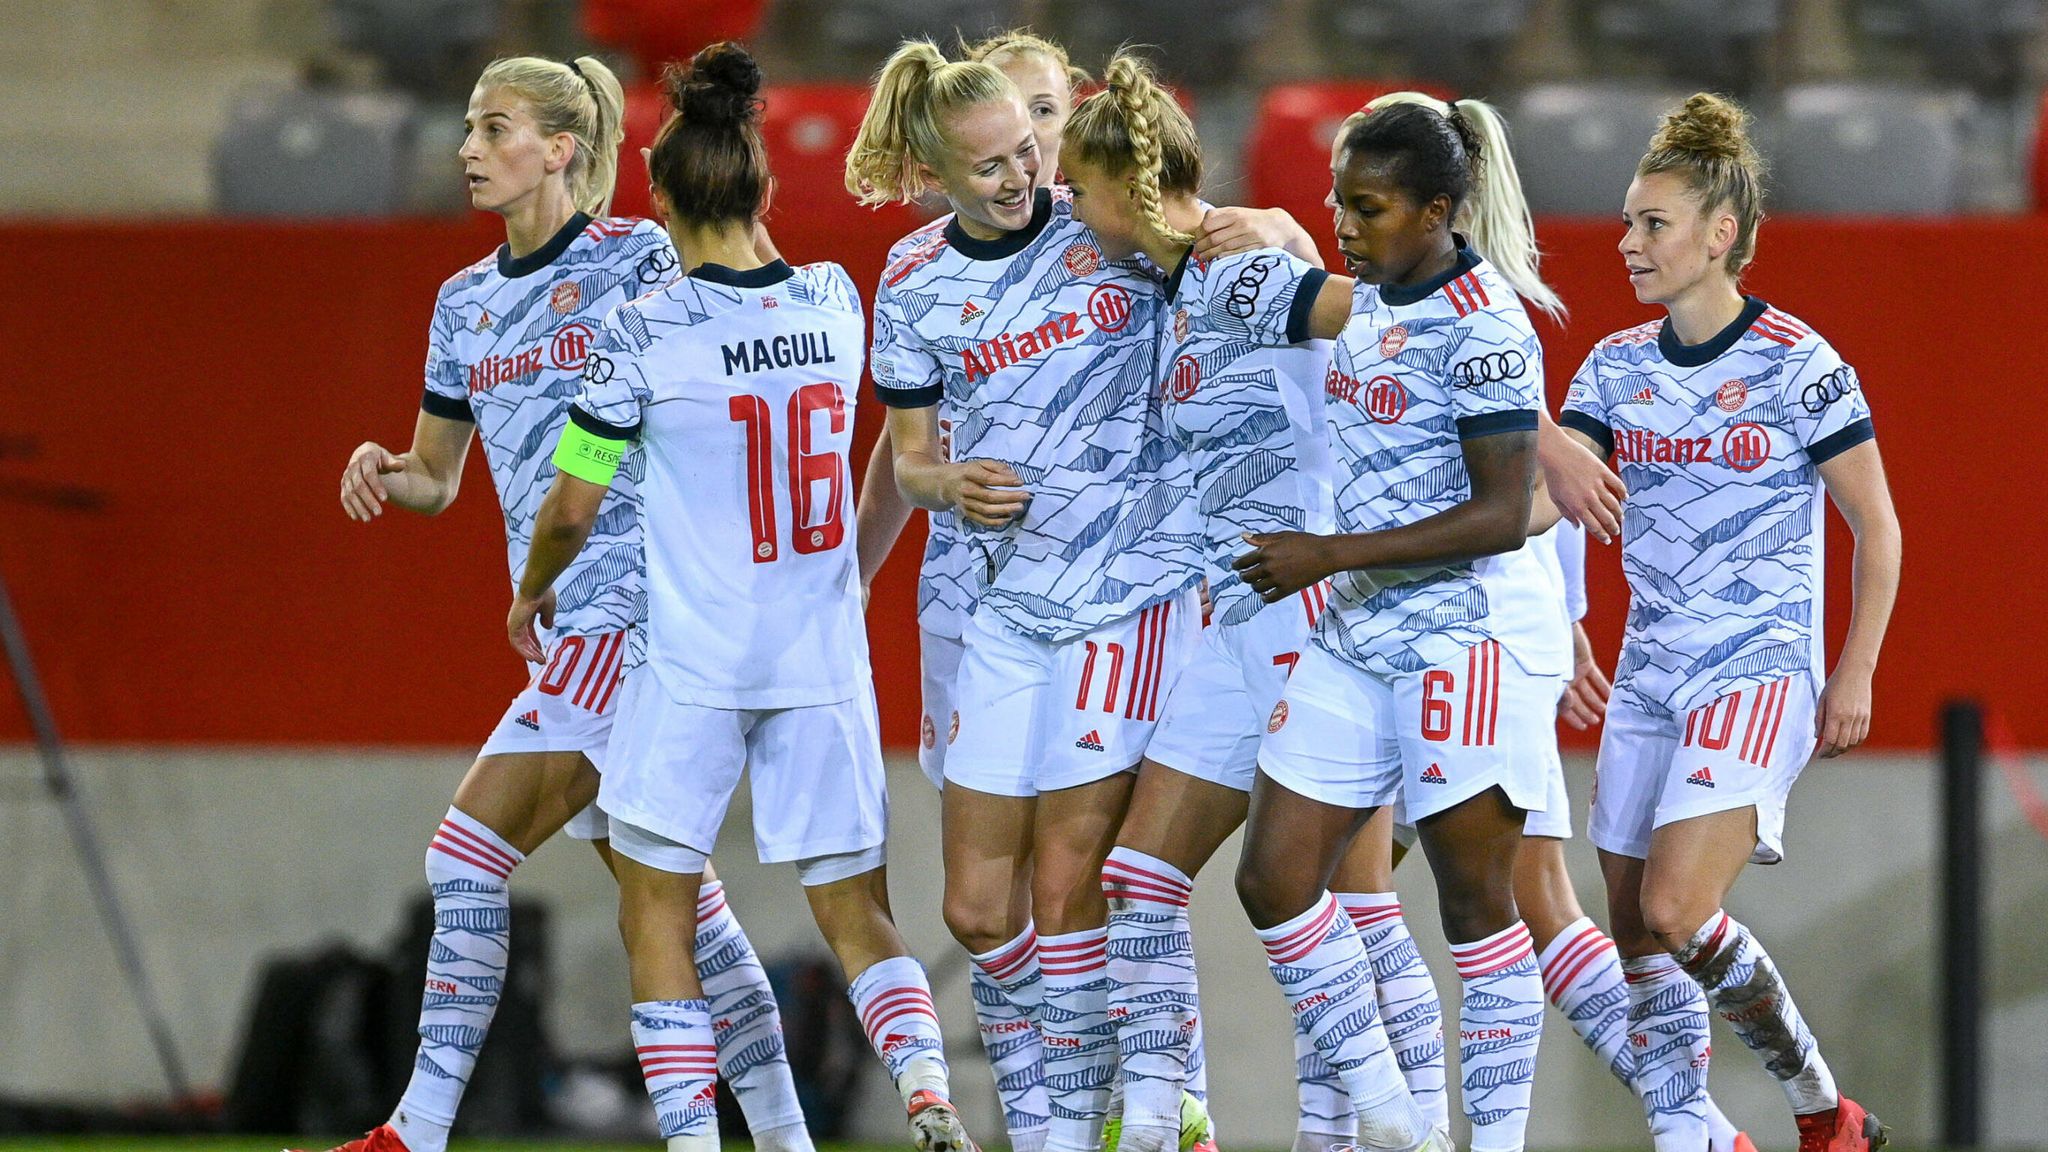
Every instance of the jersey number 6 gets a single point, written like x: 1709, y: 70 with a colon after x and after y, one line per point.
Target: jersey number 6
x: 805, y: 468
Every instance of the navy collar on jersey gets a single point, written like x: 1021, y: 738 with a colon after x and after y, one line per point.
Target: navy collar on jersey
x: 1179, y: 270
x: 767, y: 275
x: 513, y: 267
x: 1402, y: 295
x: 1008, y: 244
x: 1694, y: 355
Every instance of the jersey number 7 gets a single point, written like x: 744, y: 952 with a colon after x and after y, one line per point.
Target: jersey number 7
x: 805, y: 468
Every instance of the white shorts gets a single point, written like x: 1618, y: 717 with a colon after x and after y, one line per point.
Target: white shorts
x: 938, y: 661
x: 1437, y: 737
x: 1216, y: 714
x: 1037, y: 716
x: 1744, y: 749
x: 566, y: 706
x: 816, y: 772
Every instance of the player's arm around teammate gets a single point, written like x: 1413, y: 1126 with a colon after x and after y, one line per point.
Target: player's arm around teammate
x: 1740, y: 414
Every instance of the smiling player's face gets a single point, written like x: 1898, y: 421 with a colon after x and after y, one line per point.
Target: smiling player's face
x: 504, y: 157
x: 990, y: 167
x: 1104, y: 203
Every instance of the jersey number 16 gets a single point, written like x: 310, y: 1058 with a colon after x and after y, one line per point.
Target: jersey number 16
x: 805, y: 468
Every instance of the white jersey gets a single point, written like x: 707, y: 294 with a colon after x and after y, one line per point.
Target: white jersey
x: 739, y: 387
x: 1041, y: 352
x: 1417, y: 371
x: 506, y: 350
x: 1246, y: 409
x: 1720, y: 444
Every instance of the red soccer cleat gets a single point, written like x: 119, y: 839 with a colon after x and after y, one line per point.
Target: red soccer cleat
x: 935, y: 1126
x: 1743, y: 1143
x: 382, y: 1138
x: 1844, y: 1128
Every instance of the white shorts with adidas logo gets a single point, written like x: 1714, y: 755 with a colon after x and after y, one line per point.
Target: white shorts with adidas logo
x: 1038, y: 716
x: 566, y: 706
x: 1743, y: 749
x: 1430, y: 739
x: 1217, y: 712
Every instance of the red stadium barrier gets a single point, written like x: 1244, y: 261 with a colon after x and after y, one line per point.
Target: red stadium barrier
x: 1288, y: 153
x: 170, y: 458
x: 655, y: 32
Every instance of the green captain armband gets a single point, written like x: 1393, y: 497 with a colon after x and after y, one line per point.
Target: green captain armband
x: 587, y: 456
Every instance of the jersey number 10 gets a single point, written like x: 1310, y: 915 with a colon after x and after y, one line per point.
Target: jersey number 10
x: 805, y: 468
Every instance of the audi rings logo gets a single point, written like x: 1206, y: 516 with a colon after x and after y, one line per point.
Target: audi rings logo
x: 597, y: 369
x: 1241, y: 298
x: 1187, y: 376
x: 658, y: 265
x: 1491, y: 368
x: 571, y: 346
x: 1110, y: 307
x: 1825, y: 391
x: 1746, y: 446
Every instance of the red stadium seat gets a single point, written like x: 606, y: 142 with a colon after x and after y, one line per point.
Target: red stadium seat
x: 2039, y: 183
x: 1289, y: 150
x: 654, y: 32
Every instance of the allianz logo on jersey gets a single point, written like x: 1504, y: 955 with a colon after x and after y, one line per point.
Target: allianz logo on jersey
x: 567, y: 350
x: 1109, y: 309
x: 1744, y: 447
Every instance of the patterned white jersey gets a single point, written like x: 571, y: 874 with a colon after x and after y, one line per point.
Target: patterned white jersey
x: 1720, y: 444
x: 1417, y: 371
x: 1041, y: 350
x: 1246, y: 409
x: 739, y: 387
x: 506, y: 351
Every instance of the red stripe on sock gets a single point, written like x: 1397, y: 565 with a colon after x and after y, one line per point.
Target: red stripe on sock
x: 475, y: 843
x: 1303, y: 940
x: 445, y: 849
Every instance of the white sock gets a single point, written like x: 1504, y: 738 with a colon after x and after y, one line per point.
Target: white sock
x: 1667, y: 1032
x: 1080, y: 1048
x: 1409, y: 1007
x: 1009, y: 1036
x: 894, y: 1001
x: 1499, y: 1025
x: 747, y: 1025
x: 1326, y: 1116
x: 1320, y: 964
x: 1744, y: 985
x: 1582, y: 975
x: 679, y: 1061
x: 468, y: 868
x: 1152, y: 993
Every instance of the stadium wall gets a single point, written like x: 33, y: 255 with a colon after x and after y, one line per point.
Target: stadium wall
x: 170, y: 448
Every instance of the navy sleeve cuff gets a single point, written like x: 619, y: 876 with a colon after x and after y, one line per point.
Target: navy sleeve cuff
x: 447, y: 408
x: 1495, y: 423
x: 1580, y: 422
x: 1834, y: 444
x: 1305, y: 295
x: 910, y: 397
x: 596, y: 427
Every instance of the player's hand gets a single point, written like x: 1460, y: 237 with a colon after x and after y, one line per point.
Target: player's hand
x: 1584, y: 702
x: 362, y: 484
x: 1585, y: 490
x: 519, y: 627
x: 986, y: 492
x: 1283, y: 563
x: 866, y: 594
x: 1844, y: 718
x: 1227, y: 231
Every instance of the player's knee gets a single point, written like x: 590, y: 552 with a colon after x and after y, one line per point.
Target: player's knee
x: 1474, y: 910
x: 1269, y: 895
x: 979, y: 924
x: 1671, y: 913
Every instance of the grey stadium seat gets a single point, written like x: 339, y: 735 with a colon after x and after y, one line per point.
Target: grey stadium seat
x: 1982, y: 43
x: 1459, y: 42
x: 427, y: 46
x: 852, y: 37
x: 1863, y: 149
x: 1201, y: 44
x: 1711, y: 41
x: 304, y: 153
x: 1577, y: 144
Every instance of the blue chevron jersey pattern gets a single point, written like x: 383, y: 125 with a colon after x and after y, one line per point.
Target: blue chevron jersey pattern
x: 1039, y: 353
x: 506, y: 350
x: 1721, y: 445
x: 1417, y: 371
x: 1243, y: 398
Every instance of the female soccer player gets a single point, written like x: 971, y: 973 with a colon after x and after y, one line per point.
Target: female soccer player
x: 737, y: 380
x: 509, y: 334
x: 1727, y: 418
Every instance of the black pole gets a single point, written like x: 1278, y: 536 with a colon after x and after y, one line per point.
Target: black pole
x: 1962, y: 924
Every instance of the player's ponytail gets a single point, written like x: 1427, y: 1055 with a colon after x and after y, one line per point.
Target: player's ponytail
x: 1492, y: 212
x: 1134, y: 128
x: 708, y: 159
x: 583, y: 99
x: 1706, y: 141
x: 903, y: 132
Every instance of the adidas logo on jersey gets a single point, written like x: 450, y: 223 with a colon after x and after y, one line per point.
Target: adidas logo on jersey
x: 1648, y: 395
x: 1703, y: 778
x: 1092, y: 742
x: 1434, y: 775
x: 969, y: 311
x: 483, y: 322
x: 530, y: 720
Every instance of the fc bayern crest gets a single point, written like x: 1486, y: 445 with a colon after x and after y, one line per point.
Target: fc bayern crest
x: 566, y: 298
x: 1278, y: 719
x: 1083, y: 259
x: 1732, y: 396
x: 1393, y: 340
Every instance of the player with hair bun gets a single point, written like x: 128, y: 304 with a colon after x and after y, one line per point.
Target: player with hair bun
x: 509, y: 334
x: 737, y: 380
x: 1729, y: 419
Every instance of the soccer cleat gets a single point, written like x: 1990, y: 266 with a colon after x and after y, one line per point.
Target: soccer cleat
x: 1194, y: 1126
x: 935, y: 1126
x: 382, y: 1138
x: 1743, y: 1143
x: 1843, y: 1128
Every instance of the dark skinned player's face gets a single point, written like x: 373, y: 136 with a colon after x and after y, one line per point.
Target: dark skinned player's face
x: 1385, y: 235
